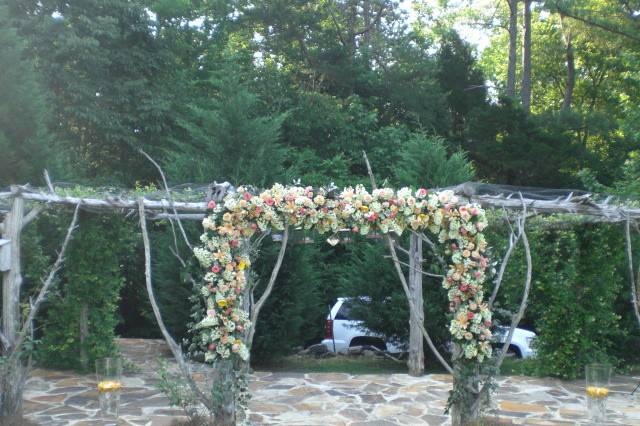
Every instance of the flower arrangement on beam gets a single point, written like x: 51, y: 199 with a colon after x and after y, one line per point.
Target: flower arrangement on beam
x: 244, y: 213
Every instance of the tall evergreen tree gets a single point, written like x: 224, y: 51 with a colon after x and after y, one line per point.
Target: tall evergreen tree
x: 25, y: 143
x: 108, y: 76
x: 461, y: 80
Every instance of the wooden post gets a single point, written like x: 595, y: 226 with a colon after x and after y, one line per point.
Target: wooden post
x: 84, y: 333
x: 12, y: 278
x: 416, y: 347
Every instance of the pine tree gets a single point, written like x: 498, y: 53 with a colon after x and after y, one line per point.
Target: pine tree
x: 24, y: 140
x: 229, y: 137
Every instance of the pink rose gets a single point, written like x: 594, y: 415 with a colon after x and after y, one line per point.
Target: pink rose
x: 269, y: 201
x: 215, y: 269
x: 464, y: 287
x: 422, y: 192
x: 247, y: 196
x: 254, y: 226
x: 211, y: 205
x: 212, y: 347
x: 234, y: 243
x: 470, y: 315
x: 355, y: 229
x: 487, y: 323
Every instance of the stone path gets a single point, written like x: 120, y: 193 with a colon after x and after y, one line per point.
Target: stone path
x: 64, y: 398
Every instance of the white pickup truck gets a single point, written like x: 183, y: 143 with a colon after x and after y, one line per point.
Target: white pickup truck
x: 342, y: 331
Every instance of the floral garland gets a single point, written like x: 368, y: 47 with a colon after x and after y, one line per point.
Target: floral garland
x: 242, y: 214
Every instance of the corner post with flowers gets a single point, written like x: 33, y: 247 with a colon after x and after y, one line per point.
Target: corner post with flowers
x: 222, y: 333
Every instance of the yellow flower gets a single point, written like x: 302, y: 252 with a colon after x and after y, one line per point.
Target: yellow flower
x: 222, y: 303
x: 242, y: 265
x: 237, y: 342
x: 364, y: 209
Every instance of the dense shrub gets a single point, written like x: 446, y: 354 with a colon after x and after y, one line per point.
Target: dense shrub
x: 292, y: 316
x: 90, y: 285
x: 578, y: 281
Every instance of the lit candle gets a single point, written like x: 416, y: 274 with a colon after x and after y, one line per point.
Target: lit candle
x: 109, y: 386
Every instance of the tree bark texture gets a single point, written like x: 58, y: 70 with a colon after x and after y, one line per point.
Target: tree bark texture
x: 84, y: 333
x: 12, y: 279
x: 513, y: 47
x: 415, y: 361
x: 525, y: 92
x: 571, y: 65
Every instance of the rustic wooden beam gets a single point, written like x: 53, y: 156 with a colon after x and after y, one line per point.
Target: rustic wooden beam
x: 181, y: 216
x: 571, y: 204
x: 611, y: 213
x: 12, y: 278
x: 107, y: 203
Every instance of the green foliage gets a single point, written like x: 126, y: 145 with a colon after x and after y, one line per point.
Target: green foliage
x: 461, y: 80
x: 578, y: 282
x: 424, y: 162
x: 109, y: 79
x: 231, y: 139
x: 511, y: 147
x: 91, y: 280
x: 25, y: 143
x: 293, y: 314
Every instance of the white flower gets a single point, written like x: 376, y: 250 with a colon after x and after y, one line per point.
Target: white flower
x: 203, y: 256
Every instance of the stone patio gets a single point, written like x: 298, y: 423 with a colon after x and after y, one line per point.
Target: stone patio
x: 64, y: 398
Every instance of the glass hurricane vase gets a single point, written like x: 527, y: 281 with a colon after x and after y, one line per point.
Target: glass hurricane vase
x: 109, y: 375
x: 598, y: 380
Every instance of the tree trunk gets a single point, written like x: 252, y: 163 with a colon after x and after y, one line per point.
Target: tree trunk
x: 12, y: 372
x: 571, y: 66
x: 224, y: 393
x: 513, y: 46
x: 464, y: 412
x: 366, y: 16
x: 416, y: 347
x: 84, y: 333
x: 12, y: 279
x: 526, y: 58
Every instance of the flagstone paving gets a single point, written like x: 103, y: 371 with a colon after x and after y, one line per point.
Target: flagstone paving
x: 65, y: 398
